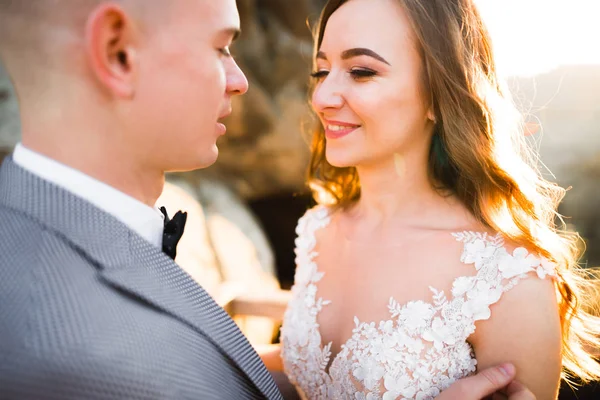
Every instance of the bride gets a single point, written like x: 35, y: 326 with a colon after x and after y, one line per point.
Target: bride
x: 433, y: 252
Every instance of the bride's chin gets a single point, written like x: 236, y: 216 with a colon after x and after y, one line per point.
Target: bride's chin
x: 339, y: 161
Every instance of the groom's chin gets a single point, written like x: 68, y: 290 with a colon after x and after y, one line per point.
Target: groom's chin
x: 210, y: 159
x: 199, y: 161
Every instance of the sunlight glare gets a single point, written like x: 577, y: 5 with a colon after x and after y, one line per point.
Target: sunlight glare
x: 536, y: 36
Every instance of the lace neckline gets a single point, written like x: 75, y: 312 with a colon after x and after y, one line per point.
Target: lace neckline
x: 420, y: 349
x: 322, y: 219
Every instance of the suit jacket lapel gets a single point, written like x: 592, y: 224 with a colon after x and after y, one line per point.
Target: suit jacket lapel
x: 129, y: 263
x: 155, y: 278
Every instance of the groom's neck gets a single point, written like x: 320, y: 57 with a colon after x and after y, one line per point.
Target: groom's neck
x: 111, y: 165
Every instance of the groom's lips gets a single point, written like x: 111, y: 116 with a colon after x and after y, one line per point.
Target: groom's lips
x: 221, y: 128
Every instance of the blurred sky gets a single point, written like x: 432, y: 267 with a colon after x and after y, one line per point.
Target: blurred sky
x: 535, y: 36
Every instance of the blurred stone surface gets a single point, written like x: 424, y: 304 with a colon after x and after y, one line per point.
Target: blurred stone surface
x: 223, y: 249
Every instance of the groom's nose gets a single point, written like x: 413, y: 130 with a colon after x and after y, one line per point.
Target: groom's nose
x: 237, y: 83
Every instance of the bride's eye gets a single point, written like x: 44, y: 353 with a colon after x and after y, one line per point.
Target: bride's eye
x: 361, y: 73
x: 320, y: 74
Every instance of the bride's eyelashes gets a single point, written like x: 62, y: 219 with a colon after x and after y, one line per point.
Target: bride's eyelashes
x: 319, y: 74
x: 359, y: 73
x: 355, y: 73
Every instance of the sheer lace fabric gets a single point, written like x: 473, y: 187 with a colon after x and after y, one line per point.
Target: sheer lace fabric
x: 421, y: 349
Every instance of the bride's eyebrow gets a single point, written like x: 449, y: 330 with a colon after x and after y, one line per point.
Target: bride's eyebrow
x: 356, y: 52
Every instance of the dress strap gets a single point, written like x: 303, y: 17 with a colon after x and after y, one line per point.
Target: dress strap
x: 498, y: 271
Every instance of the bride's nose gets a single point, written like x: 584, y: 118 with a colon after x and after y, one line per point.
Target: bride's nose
x: 328, y: 94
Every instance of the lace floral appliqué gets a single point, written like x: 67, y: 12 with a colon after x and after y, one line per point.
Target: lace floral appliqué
x: 421, y: 350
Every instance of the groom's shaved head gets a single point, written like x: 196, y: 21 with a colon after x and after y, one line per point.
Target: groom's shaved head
x: 38, y: 24
x: 38, y: 37
x: 66, y: 10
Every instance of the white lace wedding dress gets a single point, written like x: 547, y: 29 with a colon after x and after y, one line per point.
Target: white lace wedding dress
x: 421, y: 349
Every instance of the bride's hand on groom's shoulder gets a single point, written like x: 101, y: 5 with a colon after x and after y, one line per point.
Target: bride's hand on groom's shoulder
x: 491, y: 383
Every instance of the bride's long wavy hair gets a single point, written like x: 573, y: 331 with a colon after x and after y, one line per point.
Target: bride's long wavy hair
x: 480, y: 154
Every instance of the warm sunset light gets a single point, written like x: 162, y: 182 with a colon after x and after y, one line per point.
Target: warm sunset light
x: 535, y: 36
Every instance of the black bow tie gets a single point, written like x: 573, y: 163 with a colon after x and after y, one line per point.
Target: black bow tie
x: 172, y: 232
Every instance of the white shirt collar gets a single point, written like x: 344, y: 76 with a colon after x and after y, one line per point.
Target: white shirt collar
x: 144, y: 220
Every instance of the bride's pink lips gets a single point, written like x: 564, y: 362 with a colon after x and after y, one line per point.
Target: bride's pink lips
x: 338, y: 133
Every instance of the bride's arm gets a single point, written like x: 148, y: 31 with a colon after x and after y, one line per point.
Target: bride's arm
x: 270, y: 355
x: 524, y: 329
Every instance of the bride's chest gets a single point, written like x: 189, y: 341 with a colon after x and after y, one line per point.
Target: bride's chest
x: 357, y: 284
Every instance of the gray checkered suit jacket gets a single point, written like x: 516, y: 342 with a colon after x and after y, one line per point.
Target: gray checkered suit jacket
x: 90, y: 310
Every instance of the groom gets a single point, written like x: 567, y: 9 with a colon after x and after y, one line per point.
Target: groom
x: 92, y: 306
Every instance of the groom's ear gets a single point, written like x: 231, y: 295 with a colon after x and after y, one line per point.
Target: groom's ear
x: 110, y: 39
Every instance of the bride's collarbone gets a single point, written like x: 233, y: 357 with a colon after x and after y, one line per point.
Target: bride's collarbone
x: 396, y: 271
x: 360, y: 281
x: 356, y: 285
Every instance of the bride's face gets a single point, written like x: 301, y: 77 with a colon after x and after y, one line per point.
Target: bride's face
x: 370, y: 94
